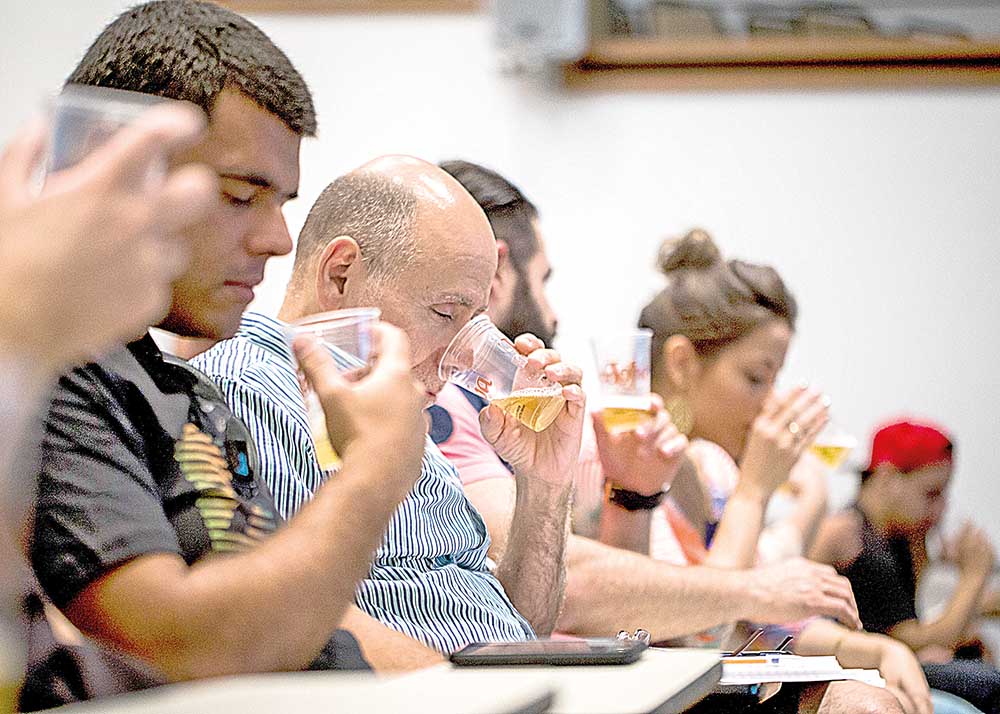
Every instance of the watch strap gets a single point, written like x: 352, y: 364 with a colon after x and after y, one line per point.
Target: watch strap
x: 631, y: 500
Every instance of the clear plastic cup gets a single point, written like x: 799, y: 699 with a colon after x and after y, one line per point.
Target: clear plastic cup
x: 833, y: 445
x: 85, y: 117
x: 482, y: 360
x: 623, y: 371
x: 347, y: 334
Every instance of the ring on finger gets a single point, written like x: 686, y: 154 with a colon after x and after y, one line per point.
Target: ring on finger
x: 794, y: 428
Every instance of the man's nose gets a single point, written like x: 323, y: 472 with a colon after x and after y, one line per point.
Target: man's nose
x: 271, y: 236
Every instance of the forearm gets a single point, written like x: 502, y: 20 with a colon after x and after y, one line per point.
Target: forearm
x: 808, y: 514
x: 895, y: 662
x: 609, y: 589
x: 949, y: 629
x: 384, y: 648
x: 735, y: 542
x: 22, y: 395
x: 23, y: 391
x: 989, y: 603
x: 533, y: 568
x: 621, y: 528
x: 290, y: 591
x: 853, y: 649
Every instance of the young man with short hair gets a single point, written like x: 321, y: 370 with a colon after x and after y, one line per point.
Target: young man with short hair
x: 153, y: 530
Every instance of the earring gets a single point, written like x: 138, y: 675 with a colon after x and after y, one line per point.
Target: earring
x: 680, y: 414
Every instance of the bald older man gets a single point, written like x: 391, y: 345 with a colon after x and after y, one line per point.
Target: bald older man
x: 402, y: 235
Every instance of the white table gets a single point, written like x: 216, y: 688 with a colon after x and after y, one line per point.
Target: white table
x: 661, y: 682
x: 318, y: 693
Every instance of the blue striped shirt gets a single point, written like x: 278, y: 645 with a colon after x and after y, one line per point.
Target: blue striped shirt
x: 430, y: 577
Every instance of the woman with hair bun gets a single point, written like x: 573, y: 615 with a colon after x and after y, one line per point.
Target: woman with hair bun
x: 721, y: 330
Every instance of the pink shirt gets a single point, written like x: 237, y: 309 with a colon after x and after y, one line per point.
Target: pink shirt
x: 455, y: 430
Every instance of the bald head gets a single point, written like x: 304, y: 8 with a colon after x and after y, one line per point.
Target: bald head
x: 401, y: 235
x: 427, y: 181
x: 395, y: 208
x: 375, y: 211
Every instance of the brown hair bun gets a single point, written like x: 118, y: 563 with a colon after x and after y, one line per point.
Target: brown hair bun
x: 694, y: 251
x: 711, y: 301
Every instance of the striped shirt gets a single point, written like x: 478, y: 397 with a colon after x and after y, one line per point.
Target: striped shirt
x: 429, y: 578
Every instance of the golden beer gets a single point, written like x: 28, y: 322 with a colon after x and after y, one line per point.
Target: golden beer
x: 620, y: 419
x: 833, y: 455
x: 8, y: 696
x: 625, y: 412
x: 535, y: 408
x: 326, y: 455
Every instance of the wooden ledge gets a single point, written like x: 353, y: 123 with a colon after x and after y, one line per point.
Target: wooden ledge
x: 783, y: 62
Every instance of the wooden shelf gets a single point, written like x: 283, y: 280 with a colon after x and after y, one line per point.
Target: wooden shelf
x: 321, y: 7
x: 770, y: 50
x: 780, y: 62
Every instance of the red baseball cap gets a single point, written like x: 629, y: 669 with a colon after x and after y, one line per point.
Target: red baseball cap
x: 909, y: 446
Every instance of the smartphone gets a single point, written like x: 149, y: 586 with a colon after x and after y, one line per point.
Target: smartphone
x: 550, y: 652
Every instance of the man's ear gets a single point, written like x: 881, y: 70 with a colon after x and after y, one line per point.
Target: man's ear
x: 504, y: 278
x: 337, y: 263
x: 504, y: 265
x: 683, y: 366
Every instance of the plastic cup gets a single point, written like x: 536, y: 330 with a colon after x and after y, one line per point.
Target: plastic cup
x: 623, y: 371
x: 347, y: 334
x: 833, y: 445
x: 85, y: 117
x: 482, y: 360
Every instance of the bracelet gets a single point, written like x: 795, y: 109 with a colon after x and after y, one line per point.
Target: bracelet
x: 632, y: 501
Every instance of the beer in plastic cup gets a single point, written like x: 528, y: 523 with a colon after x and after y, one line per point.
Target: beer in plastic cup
x: 347, y: 334
x: 833, y: 445
x: 482, y: 360
x: 623, y: 371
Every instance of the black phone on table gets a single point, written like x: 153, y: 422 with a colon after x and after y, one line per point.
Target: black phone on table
x: 550, y: 652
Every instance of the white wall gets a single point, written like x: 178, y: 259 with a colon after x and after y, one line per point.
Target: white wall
x: 880, y: 208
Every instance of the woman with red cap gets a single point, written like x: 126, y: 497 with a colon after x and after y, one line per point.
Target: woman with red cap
x: 880, y: 545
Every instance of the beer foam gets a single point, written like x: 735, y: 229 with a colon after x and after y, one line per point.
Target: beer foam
x: 553, y: 391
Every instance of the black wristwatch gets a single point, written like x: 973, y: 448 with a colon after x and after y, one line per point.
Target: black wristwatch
x: 632, y: 501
